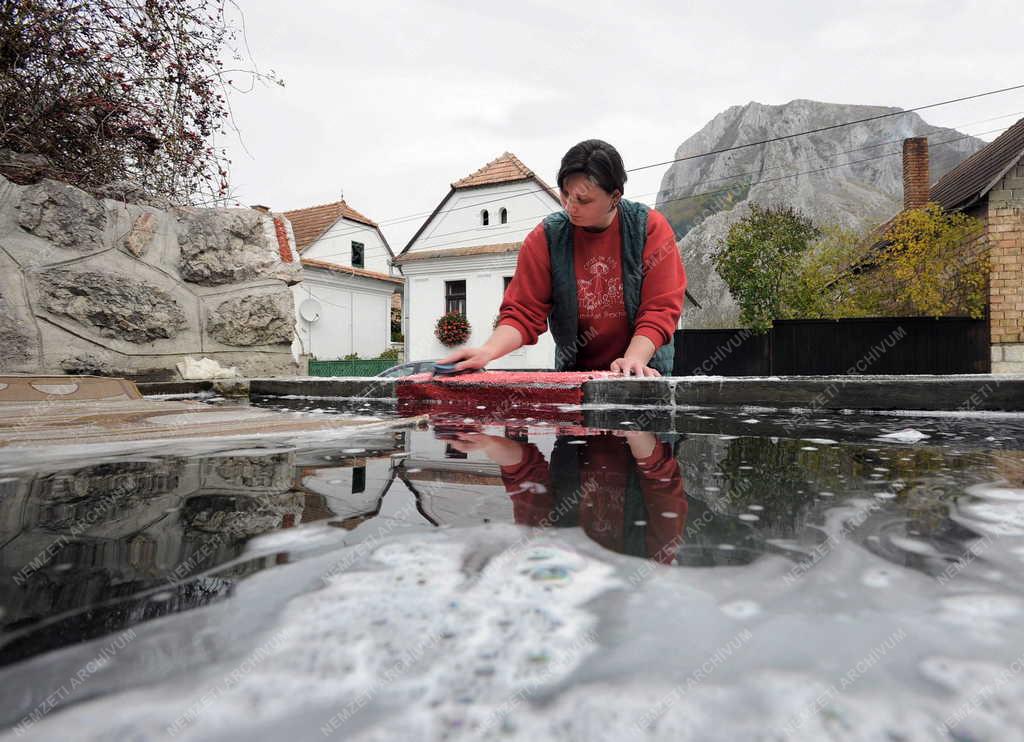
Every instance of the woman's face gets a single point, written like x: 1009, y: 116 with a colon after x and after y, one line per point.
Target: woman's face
x: 586, y: 203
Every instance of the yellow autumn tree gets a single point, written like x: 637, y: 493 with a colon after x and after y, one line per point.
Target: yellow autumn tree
x: 930, y: 265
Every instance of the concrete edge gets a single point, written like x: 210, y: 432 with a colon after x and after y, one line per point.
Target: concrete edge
x: 983, y: 392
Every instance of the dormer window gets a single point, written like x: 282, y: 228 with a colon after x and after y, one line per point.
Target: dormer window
x: 485, y: 218
x: 503, y: 215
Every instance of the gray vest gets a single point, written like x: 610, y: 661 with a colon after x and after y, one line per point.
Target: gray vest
x: 564, y: 317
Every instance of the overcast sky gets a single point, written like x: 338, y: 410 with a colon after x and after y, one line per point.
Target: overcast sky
x: 392, y: 101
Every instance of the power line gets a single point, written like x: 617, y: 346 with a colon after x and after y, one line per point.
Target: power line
x: 820, y: 129
x: 740, y: 175
x: 402, y: 219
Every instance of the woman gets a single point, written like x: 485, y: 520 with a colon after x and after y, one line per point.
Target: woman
x: 624, y: 488
x: 605, y: 274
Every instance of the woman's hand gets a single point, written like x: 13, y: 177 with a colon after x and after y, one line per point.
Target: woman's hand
x: 500, y: 450
x: 641, y: 443
x: 469, y: 358
x: 634, y: 361
x: 633, y: 366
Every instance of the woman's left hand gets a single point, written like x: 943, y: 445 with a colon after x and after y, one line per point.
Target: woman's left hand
x: 633, y: 367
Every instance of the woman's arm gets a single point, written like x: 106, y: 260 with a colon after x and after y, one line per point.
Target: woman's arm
x: 524, y: 309
x: 502, y: 341
x: 634, y: 361
x: 661, y: 298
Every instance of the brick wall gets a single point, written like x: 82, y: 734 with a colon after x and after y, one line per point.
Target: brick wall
x: 915, y: 172
x: 1005, y: 237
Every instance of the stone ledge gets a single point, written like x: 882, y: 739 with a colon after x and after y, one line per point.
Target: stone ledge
x: 986, y: 392
x: 369, y: 387
x: 969, y: 392
x: 224, y: 387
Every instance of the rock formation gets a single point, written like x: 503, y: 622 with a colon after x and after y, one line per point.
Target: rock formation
x: 120, y: 286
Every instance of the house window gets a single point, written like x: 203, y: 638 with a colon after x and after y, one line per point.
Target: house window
x: 455, y: 297
x: 485, y: 218
x: 503, y: 214
x: 508, y: 280
x: 357, y: 255
x: 450, y: 452
x: 358, y: 480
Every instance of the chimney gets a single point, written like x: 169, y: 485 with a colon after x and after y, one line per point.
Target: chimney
x: 266, y: 209
x: 915, y: 172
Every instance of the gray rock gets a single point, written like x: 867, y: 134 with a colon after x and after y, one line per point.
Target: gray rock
x: 704, y: 196
x: 128, y: 191
x: 89, y: 364
x: 115, y: 305
x: 265, y: 319
x: 21, y: 168
x: 15, y: 343
x: 141, y: 234
x: 66, y: 216
x: 221, y: 246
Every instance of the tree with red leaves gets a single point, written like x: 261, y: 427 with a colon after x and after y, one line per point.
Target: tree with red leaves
x: 110, y: 90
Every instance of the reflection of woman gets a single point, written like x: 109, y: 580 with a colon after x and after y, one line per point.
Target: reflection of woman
x: 625, y: 490
x: 605, y: 274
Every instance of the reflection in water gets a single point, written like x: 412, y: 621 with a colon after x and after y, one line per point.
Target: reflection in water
x: 624, y: 489
x: 875, y: 538
x: 93, y: 549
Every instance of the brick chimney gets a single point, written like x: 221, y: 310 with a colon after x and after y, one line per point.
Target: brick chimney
x: 915, y: 172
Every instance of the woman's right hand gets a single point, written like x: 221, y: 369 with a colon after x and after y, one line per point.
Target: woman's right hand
x: 469, y: 358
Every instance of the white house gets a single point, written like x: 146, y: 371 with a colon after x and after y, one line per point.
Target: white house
x: 344, y: 300
x: 464, y: 255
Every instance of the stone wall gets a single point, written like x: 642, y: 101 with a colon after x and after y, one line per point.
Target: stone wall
x: 1006, y: 287
x: 123, y: 287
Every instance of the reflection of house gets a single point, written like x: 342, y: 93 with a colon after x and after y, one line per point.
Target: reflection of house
x: 464, y: 255
x: 348, y: 282
x: 351, y: 490
x: 988, y: 185
x: 456, y: 488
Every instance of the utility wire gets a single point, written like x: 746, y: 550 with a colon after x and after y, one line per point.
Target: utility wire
x: 712, y: 192
x: 830, y: 127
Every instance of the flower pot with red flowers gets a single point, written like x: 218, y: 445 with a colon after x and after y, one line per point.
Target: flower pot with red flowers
x: 452, y: 329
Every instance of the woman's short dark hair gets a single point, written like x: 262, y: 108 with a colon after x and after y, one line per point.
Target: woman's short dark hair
x: 598, y: 160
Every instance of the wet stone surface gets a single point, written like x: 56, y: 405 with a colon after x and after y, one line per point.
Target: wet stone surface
x: 542, y: 573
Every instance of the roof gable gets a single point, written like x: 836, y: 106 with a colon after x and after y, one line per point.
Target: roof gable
x: 979, y: 173
x: 507, y: 168
x: 312, y: 223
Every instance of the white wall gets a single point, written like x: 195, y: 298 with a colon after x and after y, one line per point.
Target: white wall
x: 336, y: 246
x: 458, y: 225
x: 458, y: 222
x: 355, y: 314
x: 425, y: 289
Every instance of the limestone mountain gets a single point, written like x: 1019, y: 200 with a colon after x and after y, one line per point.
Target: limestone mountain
x: 850, y: 175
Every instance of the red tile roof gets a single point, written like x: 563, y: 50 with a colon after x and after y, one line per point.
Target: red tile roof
x: 311, y: 223
x: 506, y: 168
x: 311, y: 263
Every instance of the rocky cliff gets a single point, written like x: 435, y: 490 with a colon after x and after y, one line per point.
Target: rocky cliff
x: 109, y: 286
x: 851, y: 175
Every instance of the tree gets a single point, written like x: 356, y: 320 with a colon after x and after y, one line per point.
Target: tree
x: 811, y: 292
x: 759, y: 259
x: 111, y: 90
x: 929, y: 265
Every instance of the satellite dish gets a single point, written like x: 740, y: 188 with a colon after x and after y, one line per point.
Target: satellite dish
x: 310, y: 310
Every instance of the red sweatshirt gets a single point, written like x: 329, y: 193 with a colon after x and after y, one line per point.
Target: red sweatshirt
x: 602, y: 494
x: 602, y: 309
